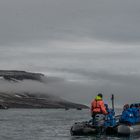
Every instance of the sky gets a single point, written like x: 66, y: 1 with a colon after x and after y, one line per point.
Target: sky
x: 85, y: 46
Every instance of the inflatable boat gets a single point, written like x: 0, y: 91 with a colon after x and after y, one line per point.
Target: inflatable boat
x: 101, y: 125
x: 124, y: 129
x: 129, y: 122
x: 84, y: 128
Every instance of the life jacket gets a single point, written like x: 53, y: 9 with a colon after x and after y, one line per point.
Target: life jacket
x: 97, y: 106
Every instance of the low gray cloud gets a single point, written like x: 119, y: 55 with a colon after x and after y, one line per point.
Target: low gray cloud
x: 84, y: 46
x: 23, y: 21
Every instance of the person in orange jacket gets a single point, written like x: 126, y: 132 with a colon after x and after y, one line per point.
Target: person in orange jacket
x: 97, y: 106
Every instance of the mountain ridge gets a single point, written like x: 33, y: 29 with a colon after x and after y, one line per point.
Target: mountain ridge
x: 31, y: 99
x: 20, y: 75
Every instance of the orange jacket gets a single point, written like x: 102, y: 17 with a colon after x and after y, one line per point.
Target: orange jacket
x: 97, y: 106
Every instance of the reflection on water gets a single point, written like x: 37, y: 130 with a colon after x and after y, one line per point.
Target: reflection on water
x: 45, y: 124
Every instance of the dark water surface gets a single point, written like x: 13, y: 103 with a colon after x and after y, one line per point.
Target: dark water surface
x: 44, y: 124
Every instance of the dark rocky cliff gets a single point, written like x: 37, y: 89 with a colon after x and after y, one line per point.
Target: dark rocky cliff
x: 20, y: 75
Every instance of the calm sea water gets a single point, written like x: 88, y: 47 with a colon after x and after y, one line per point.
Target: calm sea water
x: 44, y: 124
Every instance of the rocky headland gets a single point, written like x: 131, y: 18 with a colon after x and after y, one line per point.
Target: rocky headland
x: 14, y: 75
x: 31, y: 100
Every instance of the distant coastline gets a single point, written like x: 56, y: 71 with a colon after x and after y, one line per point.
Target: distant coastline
x: 31, y: 100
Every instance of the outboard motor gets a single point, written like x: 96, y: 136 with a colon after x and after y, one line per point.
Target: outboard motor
x: 99, y: 120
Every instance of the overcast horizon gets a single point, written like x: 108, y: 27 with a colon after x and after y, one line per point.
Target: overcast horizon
x: 87, y: 46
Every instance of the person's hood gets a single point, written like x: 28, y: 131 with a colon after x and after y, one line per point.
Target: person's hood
x: 98, y: 98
